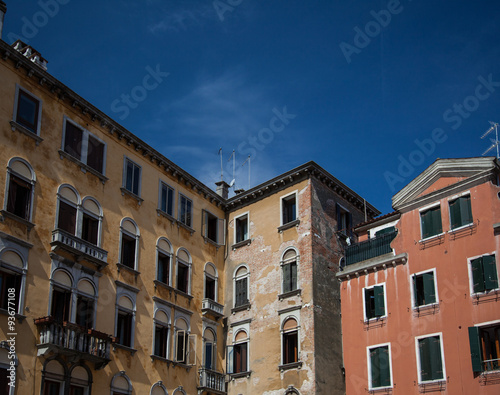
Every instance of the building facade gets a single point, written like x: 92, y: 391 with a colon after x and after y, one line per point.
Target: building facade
x: 121, y: 273
x: 420, y: 294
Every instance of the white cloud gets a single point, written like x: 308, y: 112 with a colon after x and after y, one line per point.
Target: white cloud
x: 180, y: 20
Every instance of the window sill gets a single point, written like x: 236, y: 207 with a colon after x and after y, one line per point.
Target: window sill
x: 242, y: 243
x: 289, y: 294
x: 20, y: 128
x: 85, y: 168
x: 118, y: 346
x: 462, y: 231
x: 161, y: 359
x: 163, y: 285
x: 210, y: 241
x: 183, y: 294
x: 241, y: 308
x: 20, y: 317
x: 289, y: 225
x: 381, y: 390
x: 487, y: 296
x: 132, y: 195
x: 431, y: 386
x: 183, y: 225
x: 182, y: 365
x: 288, y: 366
x: 239, y: 375
x: 121, y: 267
x: 29, y: 225
x: 166, y: 215
x: 427, y: 309
x: 432, y: 240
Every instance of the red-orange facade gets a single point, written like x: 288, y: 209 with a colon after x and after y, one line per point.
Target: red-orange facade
x: 419, y: 288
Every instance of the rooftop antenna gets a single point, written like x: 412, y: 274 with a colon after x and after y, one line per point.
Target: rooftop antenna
x: 221, y: 168
x: 249, y: 162
x: 494, y: 126
x: 233, y: 155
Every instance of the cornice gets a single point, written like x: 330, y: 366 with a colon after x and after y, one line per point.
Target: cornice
x: 106, y: 123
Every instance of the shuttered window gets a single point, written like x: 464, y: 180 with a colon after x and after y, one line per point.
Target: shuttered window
x: 424, y: 292
x: 374, y: 302
x: 241, y: 292
x: 28, y: 111
x: 431, y: 365
x: 431, y: 222
x: 460, y: 212
x: 485, y: 348
x: 289, y: 277
x: 484, y: 273
x: 19, y: 197
x: 380, y: 369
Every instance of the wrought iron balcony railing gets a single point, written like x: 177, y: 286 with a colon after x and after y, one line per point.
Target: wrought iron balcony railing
x: 72, y: 339
x: 370, y: 248
x: 79, y: 247
x: 212, y: 381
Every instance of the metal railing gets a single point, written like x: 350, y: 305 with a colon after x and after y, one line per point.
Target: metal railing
x: 212, y: 380
x: 75, y: 243
x: 370, y: 248
x: 74, y: 337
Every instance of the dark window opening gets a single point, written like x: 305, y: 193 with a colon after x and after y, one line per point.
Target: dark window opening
x: 344, y: 220
x: 124, y: 328
x: 240, y: 357
x: 128, y: 251
x: 241, y: 292
x: 290, y: 347
x: 90, y: 229
x: 19, y: 198
x: 186, y: 211
x: 374, y: 302
x: 85, y: 312
x: 485, y: 348
x: 209, y: 355
x: 73, y: 140
x: 67, y: 217
x: 290, y: 277
x: 163, y: 268
x: 161, y: 336
x: 27, y: 111
x: 211, y: 227
x: 60, y: 305
x: 210, y: 288
x: 241, y: 229
x: 167, y: 200
x: 181, y: 346
x: 132, y: 177
x: 95, y: 154
x: 4, y: 381
x: 51, y: 387
x: 74, y: 390
x: 423, y: 289
x: 182, y: 278
x: 8, y: 281
x: 289, y: 207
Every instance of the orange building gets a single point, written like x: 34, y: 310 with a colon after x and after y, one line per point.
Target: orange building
x: 419, y: 290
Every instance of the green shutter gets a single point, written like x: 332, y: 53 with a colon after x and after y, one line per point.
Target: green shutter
x: 425, y: 360
x: 465, y: 210
x: 375, y: 368
x: 477, y: 275
x: 286, y: 278
x: 293, y: 285
x: 385, y: 231
x: 435, y: 358
x: 424, y: 218
x: 490, y: 272
x: 437, y: 227
x: 455, y: 214
x: 416, y: 296
x: 379, y: 300
x: 368, y: 305
x: 429, y: 291
x: 384, y: 367
x: 475, y: 349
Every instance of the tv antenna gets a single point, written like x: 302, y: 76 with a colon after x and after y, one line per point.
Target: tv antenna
x: 233, y: 155
x: 249, y: 162
x: 221, y: 168
x: 494, y: 126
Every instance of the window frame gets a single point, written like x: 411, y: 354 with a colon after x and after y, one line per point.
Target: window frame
x: 5, y: 267
x: 365, y: 316
x: 15, y: 114
x: 215, y: 278
x: 187, y: 214
x: 235, y: 233
x: 126, y: 161
x: 162, y: 185
x: 341, y: 213
x: 285, y: 334
x: 169, y: 254
x: 424, y: 210
x: 165, y: 326
x: 231, y: 354
x: 369, y: 366
x: 188, y: 265
x: 85, y: 151
x: 413, y: 290
x: 453, y: 200
x: 213, y: 362
x: 479, y: 359
x: 295, y: 260
x: 417, y: 355
x: 283, y: 198
x: 32, y: 182
x: 130, y: 294
x: 237, y: 278
x: 220, y: 228
x: 471, y: 275
x: 136, y: 237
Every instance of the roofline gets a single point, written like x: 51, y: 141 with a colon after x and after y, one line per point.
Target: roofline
x: 384, y: 219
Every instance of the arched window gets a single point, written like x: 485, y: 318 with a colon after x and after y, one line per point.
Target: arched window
x: 179, y: 391
x: 85, y: 304
x: 5, y: 369
x: 237, y: 353
x: 91, y: 221
x: 121, y: 384
x: 291, y: 390
x: 289, y: 266
x: 13, y: 269
x: 209, y: 349
x: 241, y: 286
x: 290, y: 341
x: 60, y: 304
x: 181, y: 340
x: 211, y: 280
x: 129, y: 244
x: 158, y: 389
x: 164, y: 261
x: 54, y: 375
x: 125, y: 314
x: 161, y: 334
x: 184, y: 271
x: 68, y: 200
x: 20, y: 189
x: 80, y: 380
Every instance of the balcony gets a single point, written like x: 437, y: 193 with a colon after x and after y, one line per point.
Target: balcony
x: 74, y: 341
x: 370, y: 248
x: 212, y: 381
x: 212, y: 307
x: 80, y: 248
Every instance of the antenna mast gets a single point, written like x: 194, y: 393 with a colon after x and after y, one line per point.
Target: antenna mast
x: 221, y: 168
x: 494, y: 126
x: 249, y: 169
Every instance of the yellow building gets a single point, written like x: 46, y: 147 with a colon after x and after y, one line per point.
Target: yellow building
x: 120, y: 273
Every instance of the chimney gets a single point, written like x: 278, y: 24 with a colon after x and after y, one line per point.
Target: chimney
x: 222, y: 189
x: 3, y: 10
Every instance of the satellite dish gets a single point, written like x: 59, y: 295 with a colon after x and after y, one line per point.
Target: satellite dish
x: 232, y: 183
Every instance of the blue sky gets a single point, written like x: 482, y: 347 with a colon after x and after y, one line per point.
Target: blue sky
x: 373, y: 91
